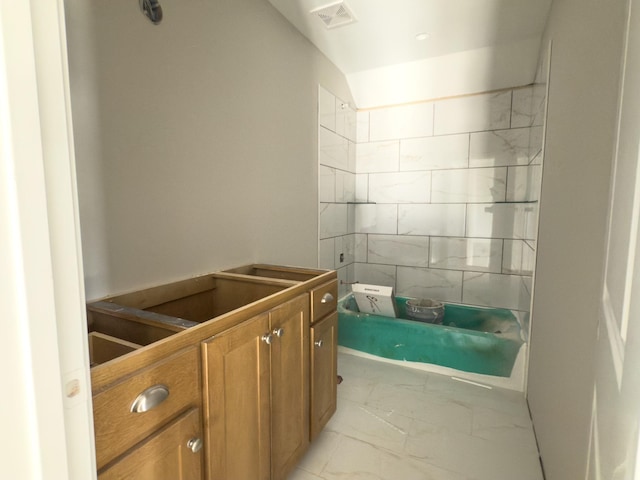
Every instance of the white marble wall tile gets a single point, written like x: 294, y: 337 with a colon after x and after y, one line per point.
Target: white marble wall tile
x: 447, y: 220
x: 345, y: 245
x: 505, y: 147
x: 351, y: 218
x: 432, y: 153
x: 333, y: 150
x: 362, y: 187
x: 346, y: 276
x: 402, y: 187
x: 333, y: 220
x: 491, y: 111
x: 378, y: 157
x: 399, y: 250
x: 528, y: 106
x: 469, y: 185
x: 495, y: 290
x: 362, y: 127
x: 475, y: 254
x: 376, y: 218
x: 327, y: 109
x: 519, y: 257
x: 345, y: 186
x: 443, y: 285
x: 523, y: 183
x: 506, y: 220
x: 360, y: 247
x: 406, y: 121
x: 345, y: 120
x: 326, y: 256
x: 373, y: 274
x: 327, y: 181
x: 353, y: 157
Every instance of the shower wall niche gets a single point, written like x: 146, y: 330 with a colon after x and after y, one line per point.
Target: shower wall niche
x: 438, y: 199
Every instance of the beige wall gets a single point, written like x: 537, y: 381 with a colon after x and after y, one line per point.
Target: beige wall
x: 196, y: 140
x: 587, y: 40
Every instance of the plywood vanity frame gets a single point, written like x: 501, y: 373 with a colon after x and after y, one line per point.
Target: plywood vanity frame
x: 149, y: 326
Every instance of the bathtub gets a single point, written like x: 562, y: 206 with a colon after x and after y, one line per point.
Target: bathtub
x: 473, y: 343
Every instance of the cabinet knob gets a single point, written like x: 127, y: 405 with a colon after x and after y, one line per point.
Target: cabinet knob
x: 194, y: 444
x: 267, y: 338
x: 326, y: 298
x: 150, y: 398
x: 319, y: 343
x: 278, y: 332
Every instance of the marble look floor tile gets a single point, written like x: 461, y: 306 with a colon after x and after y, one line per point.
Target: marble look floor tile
x: 396, y: 423
x: 382, y: 428
x: 357, y: 460
x: 422, y: 406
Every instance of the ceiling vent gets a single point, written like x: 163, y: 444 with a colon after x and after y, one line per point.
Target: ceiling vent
x: 334, y: 15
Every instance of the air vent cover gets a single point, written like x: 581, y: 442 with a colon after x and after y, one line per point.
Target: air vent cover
x: 334, y: 15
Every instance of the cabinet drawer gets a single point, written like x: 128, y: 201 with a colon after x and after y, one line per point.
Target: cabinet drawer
x: 118, y: 428
x: 324, y: 300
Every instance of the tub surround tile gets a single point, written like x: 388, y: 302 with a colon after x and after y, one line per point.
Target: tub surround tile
x: 403, y: 187
x: 496, y: 290
x: 345, y: 186
x: 405, y: 121
x: 373, y: 274
x: 327, y: 181
x: 518, y: 258
x: 360, y: 247
x: 346, y: 123
x: 472, y: 185
x: 376, y: 218
x: 491, y: 111
x: 528, y: 106
x: 506, y: 220
x: 376, y: 157
x: 362, y: 127
x: 434, y: 153
x: 398, y: 250
x: 333, y: 150
x: 523, y: 183
x: 345, y: 245
x: 475, y: 254
x: 333, y: 220
x: 447, y: 220
x: 326, y: 256
x: 443, y: 285
x: 362, y: 187
x: 504, y: 147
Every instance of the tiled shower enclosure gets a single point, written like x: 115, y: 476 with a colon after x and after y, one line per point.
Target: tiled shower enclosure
x: 437, y: 199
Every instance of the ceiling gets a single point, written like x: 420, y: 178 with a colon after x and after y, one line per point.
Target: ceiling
x: 383, y: 37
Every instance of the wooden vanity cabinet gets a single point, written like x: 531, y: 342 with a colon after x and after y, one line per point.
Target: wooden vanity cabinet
x: 324, y: 356
x: 256, y: 395
x: 172, y: 453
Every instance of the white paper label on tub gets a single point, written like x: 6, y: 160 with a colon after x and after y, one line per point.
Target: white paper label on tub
x: 375, y: 299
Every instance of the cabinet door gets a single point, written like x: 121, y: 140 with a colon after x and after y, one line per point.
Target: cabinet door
x: 324, y: 372
x: 166, y: 455
x: 289, y: 385
x: 236, y: 402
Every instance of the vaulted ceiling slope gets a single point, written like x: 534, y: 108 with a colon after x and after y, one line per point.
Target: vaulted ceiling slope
x: 400, y: 51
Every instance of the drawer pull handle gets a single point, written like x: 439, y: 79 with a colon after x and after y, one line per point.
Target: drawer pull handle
x: 194, y: 444
x: 150, y: 398
x: 278, y: 332
x: 319, y: 343
x: 326, y: 298
x: 267, y: 338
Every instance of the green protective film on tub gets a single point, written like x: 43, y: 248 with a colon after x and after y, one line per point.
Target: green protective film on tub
x: 471, y: 339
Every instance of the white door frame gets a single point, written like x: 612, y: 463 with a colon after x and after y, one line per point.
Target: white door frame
x: 45, y: 410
